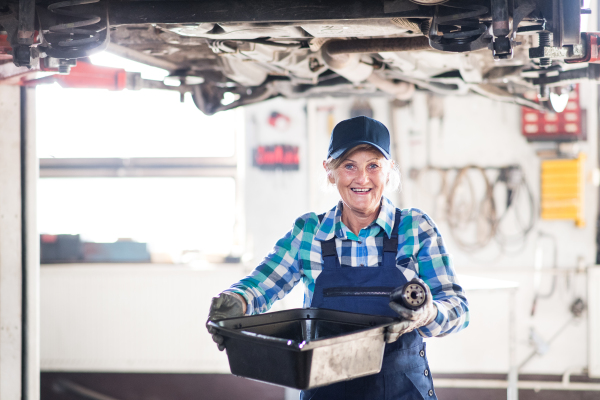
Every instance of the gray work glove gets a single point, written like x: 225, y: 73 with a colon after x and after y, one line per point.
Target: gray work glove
x: 411, y: 319
x: 225, y: 305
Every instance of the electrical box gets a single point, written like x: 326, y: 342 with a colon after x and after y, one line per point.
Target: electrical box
x: 562, y: 191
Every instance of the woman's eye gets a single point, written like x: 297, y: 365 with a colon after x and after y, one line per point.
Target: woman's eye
x: 373, y: 166
x: 349, y: 166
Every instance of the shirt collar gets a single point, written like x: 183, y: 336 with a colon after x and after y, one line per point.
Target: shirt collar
x: 332, y: 225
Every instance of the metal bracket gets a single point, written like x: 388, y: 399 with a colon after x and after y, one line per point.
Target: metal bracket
x: 556, y: 52
x: 502, y: 48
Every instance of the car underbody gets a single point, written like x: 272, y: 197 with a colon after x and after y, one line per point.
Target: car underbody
x: 256, y: 50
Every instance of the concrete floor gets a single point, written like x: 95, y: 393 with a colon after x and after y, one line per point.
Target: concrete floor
x: 156, y: 387
x: 227, y: 387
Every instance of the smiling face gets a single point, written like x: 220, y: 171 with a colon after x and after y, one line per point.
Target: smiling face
x: 360, y: 179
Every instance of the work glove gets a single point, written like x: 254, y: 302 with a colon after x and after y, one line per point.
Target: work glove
x: 411, y: 319
x: 225, y: 305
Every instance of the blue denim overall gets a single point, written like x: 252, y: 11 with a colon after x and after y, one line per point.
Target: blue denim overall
x: 405, y: 372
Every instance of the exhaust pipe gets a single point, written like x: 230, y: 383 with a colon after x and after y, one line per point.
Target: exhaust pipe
x: 336, y: 47
x: 344, y: 58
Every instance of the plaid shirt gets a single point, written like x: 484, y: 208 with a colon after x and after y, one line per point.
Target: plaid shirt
x: 421, y: 252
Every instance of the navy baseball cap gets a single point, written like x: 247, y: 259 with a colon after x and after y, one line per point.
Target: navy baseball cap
x: 359, y: 130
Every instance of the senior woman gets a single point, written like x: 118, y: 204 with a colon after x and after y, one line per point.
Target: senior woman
x: 351, y: 257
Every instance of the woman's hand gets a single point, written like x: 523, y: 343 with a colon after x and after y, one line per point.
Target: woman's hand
x: 412, y: 319
x: 225, y: 305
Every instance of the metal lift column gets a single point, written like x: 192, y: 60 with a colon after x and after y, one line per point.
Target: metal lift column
x: 19, y: 244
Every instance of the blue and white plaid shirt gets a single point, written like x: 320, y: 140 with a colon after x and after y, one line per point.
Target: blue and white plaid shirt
x: 421, y: 252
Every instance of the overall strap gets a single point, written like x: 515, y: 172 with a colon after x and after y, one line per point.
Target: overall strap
x: 390, y: 245
x: 328, y: 250
x: 329, y: 253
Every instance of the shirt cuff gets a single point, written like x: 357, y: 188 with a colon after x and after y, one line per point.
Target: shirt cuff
x: 435, y: 327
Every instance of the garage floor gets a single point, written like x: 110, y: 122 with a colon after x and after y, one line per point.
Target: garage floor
x: 72, y: 386
x: 110, y: 386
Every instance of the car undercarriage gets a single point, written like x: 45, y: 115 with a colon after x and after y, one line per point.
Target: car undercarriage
x: 528, y: 52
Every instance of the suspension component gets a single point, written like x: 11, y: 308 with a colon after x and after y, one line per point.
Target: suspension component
x: 411, y: 295
x: 456, y: 28
x: 502, y: 45
x: 78, y: 32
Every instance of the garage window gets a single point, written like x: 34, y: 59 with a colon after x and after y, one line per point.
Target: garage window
x: 179, y: 218
x: 138, y: 165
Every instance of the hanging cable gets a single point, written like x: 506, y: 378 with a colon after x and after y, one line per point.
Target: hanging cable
x: 516, y: 186
x: 538, y: 265
x: 482, y: 215
x: 473, y: 214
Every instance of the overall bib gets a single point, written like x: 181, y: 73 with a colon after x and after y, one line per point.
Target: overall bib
x: 405, y: 372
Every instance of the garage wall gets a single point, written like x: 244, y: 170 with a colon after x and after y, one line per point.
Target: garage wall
x: 594, y: 321
x: 477, y: 131
x: 274, y: 193
x: 130, y: 317
x: 274, y: 196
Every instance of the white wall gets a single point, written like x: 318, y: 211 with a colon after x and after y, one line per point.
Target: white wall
x: 130, y: 318
x: 594, y: 321
x: 478, y: 131
x: 274, y: 198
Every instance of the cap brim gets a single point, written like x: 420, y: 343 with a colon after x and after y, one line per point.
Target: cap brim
x: 336, y: 154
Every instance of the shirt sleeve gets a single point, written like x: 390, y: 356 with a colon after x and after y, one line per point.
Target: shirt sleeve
x: 276, y: 275
x: 436, y: 269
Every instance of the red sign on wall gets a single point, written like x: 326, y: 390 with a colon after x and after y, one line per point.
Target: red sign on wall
x: 537, y: 125
x: 277, y: 157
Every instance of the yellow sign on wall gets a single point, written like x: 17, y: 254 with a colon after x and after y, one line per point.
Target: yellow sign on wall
x: 563, y: 189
